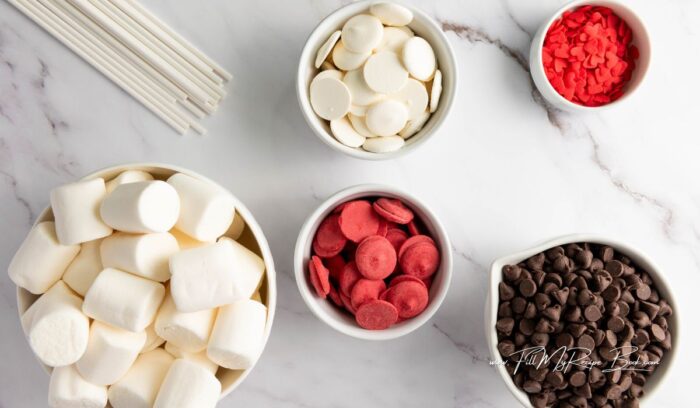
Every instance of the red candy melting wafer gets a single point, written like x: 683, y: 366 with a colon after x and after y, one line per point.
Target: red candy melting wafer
x: 393, y: 210
x: 588, y: 55
x: 348, y: 278
x: 376, y: 315
x: 329, y: 240
x: 409, y: 297
x: 420, y: 260
x: 335, y: 266
x: 319, y: 277
x: 397, y: 237
x: 358, y: 220
x: 414, y: 240
x: 405, y: 278
x: 366, y: 290
x: 375, y: 257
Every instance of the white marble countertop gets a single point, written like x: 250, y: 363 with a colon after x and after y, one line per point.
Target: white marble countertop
x: 504, y: 173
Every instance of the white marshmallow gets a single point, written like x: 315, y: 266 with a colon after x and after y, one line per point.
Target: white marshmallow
x: 68, y: 389
x: 153, y: 341
x: 139, y: 387
x: 237, y: 338
x: 76, y: 211
x: 110, y: 353
x: 206, y: 209
x: 185, y: 241
x: 188, y: 331
x: 84, y: 268
x: 250, y: 268
x: 56, y: 327
x: 145, y: 255
x: 41, y: 259
x: 141, y: 207
x: 188, y: 385
x: 129, y: 176
x: 237, y: 226
x: 123, y: 300
x: 213, y: 275
x: 199, y: 358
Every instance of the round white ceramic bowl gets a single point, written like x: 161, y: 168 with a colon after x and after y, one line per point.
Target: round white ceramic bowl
x: 253, y: 238
x: 343, y: 322
x: 424, y: 26
x: 640, y: 38
x: 634, y: 254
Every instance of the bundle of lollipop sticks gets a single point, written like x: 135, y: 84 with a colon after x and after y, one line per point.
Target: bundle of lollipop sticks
x: 137, y: 51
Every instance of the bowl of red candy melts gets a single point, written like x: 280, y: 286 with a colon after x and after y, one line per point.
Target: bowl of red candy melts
x: 590, y: 55
x: 373, y: 262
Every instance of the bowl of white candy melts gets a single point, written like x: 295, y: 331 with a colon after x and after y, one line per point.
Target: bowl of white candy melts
x: 376, y: 79
x: 144, y: 285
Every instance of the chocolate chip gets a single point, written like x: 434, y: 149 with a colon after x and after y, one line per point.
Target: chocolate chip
x: 527, y: 288
x: 518, y: 304
x: 554, y: 253
x: 657, y: 333
x: 505, y: 310
x: 643, y: 292
x: 505, y: 292
x: 544, y: 326
x: 613, y: 392
x: 536, y: 261
x: 511, y: 273
x: 527, y: 327
x: 641, y: 319
x: 540, y: 339
x: 556, y: 378
x: 610, y: 338
x: 584, y: 259
x: 577, y: 379
x: 616, y: 324
x: 606, y: 253
x: 596, y: 265
x: 565, y: 340
x: 552, y: 313
x: 530, y: 311
x: 539, y: 400
x: 592, y: 313
x: 542, y: 301
x: 586, y: 342
x: 616, y: 268
x: 611, y: 293
x: 506, y: 347
x: 532, y: 387
x: 561, y: 295
x: 577, y: 330
x: 641, y: 338
x: 505, y: 325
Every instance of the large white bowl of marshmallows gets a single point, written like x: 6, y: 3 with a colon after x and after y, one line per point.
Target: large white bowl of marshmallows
x: 144, y: 286
x: 376, y: 79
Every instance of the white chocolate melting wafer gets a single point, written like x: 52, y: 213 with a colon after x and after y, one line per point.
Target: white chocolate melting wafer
x: 436, y: 91
x: 418, y: 58
x: 348, y: 60
x: 393, y: 39
x: 360, y: 92
x: 362, y: 33
x: 330, y: 98
x: 345, y: 133
x: 326, y: 48
x: 391, y: 14
x: 41, y: 260
x: 384, y: 72
x: 383, y: 144
x: 414, y: 125
x: 387, y: 117
x: 76, y: 211
x: 414, y: 95
x: 359, y: 124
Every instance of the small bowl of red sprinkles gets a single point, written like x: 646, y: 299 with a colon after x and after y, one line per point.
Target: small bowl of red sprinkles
x: 373, y: 262
x: 590, y: 55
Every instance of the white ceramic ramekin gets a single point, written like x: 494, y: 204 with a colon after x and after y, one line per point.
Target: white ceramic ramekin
x: 424, y: 26
x: 640, y: 39
x: 641, y: 259
x: 343, y: 322
x: 253, y: 238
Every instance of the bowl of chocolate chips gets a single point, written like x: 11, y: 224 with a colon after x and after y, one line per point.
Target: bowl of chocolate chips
x: 580, y: 321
